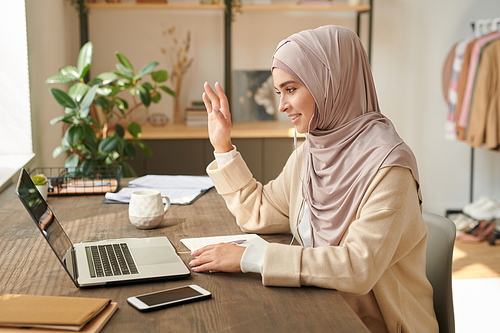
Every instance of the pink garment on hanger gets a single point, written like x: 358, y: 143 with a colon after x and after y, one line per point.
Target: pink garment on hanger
x: 474, y: 61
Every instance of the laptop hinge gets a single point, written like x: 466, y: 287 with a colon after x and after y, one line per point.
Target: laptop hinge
x: 75, y: 266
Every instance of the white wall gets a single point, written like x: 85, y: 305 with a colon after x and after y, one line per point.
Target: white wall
x: 53, y: 42
x: 410, y: 42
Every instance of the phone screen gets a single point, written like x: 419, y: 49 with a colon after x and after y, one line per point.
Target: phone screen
x: 169, y: 296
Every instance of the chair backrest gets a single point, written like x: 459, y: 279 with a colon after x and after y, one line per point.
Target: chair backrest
x: 439, y: 256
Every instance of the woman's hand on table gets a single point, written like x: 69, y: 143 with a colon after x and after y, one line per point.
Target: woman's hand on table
x: 221, y: 257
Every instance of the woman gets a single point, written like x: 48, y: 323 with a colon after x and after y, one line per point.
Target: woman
x: 349, y: 193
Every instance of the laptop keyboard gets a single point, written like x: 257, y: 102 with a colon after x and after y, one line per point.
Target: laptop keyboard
x: 110, y: 260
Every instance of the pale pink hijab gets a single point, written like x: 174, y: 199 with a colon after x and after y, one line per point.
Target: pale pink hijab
x: 349, y: 139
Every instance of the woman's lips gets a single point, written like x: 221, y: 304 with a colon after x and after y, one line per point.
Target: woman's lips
x: 295, y: 118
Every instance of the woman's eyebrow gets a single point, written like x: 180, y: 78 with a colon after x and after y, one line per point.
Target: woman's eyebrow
x: 285, y: 83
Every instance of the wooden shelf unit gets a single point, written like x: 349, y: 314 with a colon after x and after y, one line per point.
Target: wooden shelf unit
x: 166, y: 6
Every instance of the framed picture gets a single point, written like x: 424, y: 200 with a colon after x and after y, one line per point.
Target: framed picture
x: 254, y: 96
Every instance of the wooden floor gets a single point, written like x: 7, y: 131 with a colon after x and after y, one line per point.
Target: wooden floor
x: 476, y: 260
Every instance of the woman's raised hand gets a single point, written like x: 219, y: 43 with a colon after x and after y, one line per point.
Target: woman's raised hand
x: 219, y: 118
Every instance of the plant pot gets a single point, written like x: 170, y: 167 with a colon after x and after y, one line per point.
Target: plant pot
x: 43, y: 190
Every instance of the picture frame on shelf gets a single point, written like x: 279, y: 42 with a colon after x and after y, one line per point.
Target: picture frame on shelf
x: 254, y: 96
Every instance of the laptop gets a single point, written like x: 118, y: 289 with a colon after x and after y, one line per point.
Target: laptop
x: 103, y: 262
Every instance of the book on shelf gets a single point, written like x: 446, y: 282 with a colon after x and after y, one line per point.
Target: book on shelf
x: 196, y: 114
x: 54, y: 313
x: 315, y: 2
x: 255, y: 2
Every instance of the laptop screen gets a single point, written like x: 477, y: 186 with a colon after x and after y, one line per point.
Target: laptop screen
x: 45, y: 220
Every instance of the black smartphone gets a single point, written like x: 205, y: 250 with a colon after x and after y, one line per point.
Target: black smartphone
x: 169, y: 297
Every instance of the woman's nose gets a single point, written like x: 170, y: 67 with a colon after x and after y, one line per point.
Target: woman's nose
x: 284, y: 105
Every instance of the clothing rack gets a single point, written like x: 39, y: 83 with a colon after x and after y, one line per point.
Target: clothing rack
x: 476, y: 28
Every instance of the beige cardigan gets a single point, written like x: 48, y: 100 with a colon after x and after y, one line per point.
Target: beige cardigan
x: 379, y: 265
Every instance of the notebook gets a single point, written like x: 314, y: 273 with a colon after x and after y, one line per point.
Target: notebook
x: 103, y: 262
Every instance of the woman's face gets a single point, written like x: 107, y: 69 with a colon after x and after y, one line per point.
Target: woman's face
x: 295, y: 100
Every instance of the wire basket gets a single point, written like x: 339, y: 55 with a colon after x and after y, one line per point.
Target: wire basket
x: 76, y: 181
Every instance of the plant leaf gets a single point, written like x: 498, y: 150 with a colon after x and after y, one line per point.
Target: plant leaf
x: 135, y: 129
x: 106, y: 77
x: 160, y: 76
x: 85, y: 71
x: 87, y: 100
x: 145, y: 149
x: 61, y: 79
x: 74, y: 135
x: 127, y: 170
x: 130, y: 150
x: 144, y: 95
x: 124, y: 61
x: 148, y: 86
x: 70, y: 70
x: 89, y: 131
x: 105, y: 91
x: 156, y: 98
x: 88, y: 166
x: 77, y: 91
x: 102, y: 102
x: 168, y: 91
x: 62, y: 98
x: 109, y: 144
x: 146, y: 69
x: 125, y: 71
x: 85, y: 57
x: 119, y: 130
x: 64, y: 118
x: 121, y: 103
x: 125, y: 80
x: 59, y: 150
x: 72, y: 161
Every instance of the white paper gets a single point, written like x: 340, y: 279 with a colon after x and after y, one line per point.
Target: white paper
x: 177, y: 196
x: 196, y: 243
x: 180, y: 190
x: 165, y: 181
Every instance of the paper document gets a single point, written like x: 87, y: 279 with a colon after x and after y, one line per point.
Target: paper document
x: 177, y: 196
x: 181, y: 190
x: 196, y: 243
x: 163, y: 181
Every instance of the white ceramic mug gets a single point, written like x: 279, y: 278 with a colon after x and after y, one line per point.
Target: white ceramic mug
x: 146, y: 208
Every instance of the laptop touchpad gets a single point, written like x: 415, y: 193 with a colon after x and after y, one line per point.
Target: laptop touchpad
x: 154, y: 255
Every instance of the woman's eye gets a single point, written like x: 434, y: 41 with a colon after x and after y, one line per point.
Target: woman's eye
x: 277, y: 92
x: 290, y: 90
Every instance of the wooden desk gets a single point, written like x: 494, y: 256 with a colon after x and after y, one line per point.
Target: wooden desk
x: 240, y: 303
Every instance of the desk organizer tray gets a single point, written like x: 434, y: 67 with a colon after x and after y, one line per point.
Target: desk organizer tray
x: 75, y: 181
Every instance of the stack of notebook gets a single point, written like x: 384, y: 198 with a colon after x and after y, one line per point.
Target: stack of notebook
x: 54, y: 313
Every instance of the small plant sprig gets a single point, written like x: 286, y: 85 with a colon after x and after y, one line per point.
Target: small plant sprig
x: 39, y: 179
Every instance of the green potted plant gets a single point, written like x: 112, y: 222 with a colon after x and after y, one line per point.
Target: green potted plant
x: 87, y: 139
x: 40, y: 182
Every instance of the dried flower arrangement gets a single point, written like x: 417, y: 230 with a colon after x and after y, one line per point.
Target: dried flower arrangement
x: 178, y: 57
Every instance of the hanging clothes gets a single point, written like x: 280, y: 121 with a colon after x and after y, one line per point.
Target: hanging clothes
x: 471, y: 76
x: 452, y: 86
x: 484, y: 115
x: 473, y: 82
x: 462, y: 83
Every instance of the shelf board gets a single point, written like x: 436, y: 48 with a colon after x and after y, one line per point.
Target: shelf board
x: 240, y: 130
x: 153, y: 6
x: 361, y: 8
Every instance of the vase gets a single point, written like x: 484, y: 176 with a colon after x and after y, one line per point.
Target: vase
x: 43, y: 189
